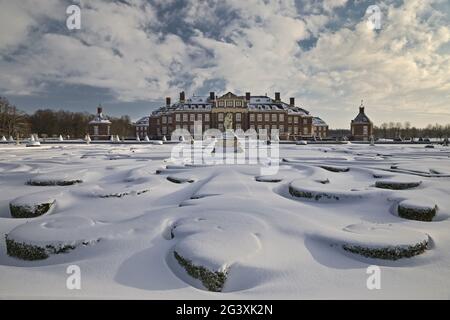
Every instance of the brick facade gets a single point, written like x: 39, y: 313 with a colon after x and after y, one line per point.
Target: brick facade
x: 247, y: 112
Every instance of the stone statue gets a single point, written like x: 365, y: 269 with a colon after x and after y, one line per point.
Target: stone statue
x: 228, y: 122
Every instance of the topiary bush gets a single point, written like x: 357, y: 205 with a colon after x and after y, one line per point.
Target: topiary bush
x: 312, y: 195
x: 388, y: 253
x: 30, y: 211
x: 418, y: 213
x: 212, y: 280
x: 31, y: 252
x: 46, y: 183
x: 395, y: 185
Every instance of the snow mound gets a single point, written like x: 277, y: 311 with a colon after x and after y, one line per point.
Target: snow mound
x: 56, y: 179
x: 417, y: 209
x: 180, y: 179
x: 214, y: 253
x: 388, y: 242
x: 329, y: 194
x: 39, y: 239
x: 32, y: 205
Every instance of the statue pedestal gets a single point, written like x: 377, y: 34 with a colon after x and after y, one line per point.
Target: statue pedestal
x: 229, y: 143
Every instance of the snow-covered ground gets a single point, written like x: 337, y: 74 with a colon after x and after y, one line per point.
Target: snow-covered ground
x: 119, y: 212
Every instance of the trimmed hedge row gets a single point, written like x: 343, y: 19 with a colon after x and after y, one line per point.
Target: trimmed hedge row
x: 46, y: 183
x: 388, y: 253
x: 26, y: 211
x: 393, y: 185
x: 312, y: 195
x: 212, y: 280
x: 418, y: 214
x: 31, y: 252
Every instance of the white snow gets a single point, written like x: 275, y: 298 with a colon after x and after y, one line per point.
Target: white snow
x: 274, y: 245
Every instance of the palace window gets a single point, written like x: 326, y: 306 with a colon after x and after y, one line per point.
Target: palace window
x: 295, y: 119
x: 365, y: 130
x: 238, y: 117
x: 157, y: 121
x: 290, y: 129
x: 238, y: 103
x: 259, y: 117
x: 252, y: 117
x: 221, y: 104
x: 289, y: 119
x: 305, y: 130
x: 164, y: 119
x: 252, y: 126
x: 95, y: 130
x: 164, y: 130
x: 281, y: 128
x: 185, y: 117
x: 281, y: 117
x: 305, y: 121
x: 274, y: 117
x: 295, y: 130
x: 220, y: 116
x: 192, y: 117
x: 207, y: 117
x: 206, y: 126
x: 200, y: 117
x: 169, y: 120
x: 177, y: 117
x: 238, y: 126
x: 267, y: 117
x: 220, y: 126
x: 229, y: 103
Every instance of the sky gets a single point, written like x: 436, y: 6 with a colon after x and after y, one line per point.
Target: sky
x: 130, y: 54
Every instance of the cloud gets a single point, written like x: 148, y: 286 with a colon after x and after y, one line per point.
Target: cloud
x: 322, y: 52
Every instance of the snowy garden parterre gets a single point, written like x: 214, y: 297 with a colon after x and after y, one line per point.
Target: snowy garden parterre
x: 140, y: 226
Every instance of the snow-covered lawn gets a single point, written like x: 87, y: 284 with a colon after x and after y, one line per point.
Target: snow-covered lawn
x: 139, y: 226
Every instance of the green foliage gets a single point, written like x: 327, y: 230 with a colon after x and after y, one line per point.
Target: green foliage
x: 25, y: 211
x: 312, y: 195
x: 419, y: 214
x: 212, y: 280
x: 31, y: 252
x: 388, y: 253
x: 45, y: 183
x: 393, y: 185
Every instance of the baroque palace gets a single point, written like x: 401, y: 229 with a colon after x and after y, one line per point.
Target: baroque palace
x: 246, y: 112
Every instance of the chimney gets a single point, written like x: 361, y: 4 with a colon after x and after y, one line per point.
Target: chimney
x: 292, y: 101
x: 99, y: 110
x: 361, y: 109
x: 277, y: 97
x: 182, y: 96
x: 167, y: 101
x: 247, y: 96
x: 212, y: 96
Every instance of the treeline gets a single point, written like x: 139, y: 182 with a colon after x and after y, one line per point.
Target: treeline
x: 404, y: 130
x: 50, y: 123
